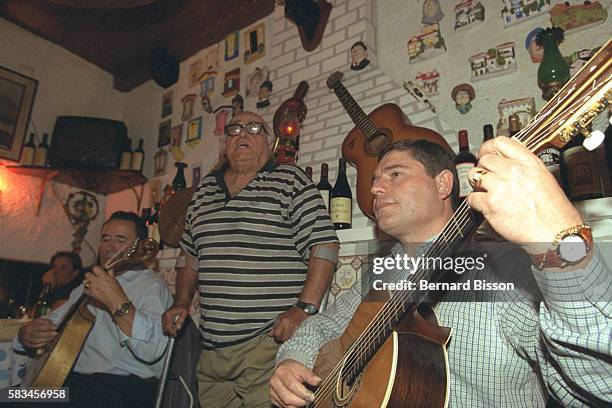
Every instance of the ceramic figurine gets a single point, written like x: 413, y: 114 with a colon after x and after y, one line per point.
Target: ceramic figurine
x: 188, y: 101
x: 468, y: 12
x: 429, y: 43
x: 432, y: 12
x: 237, y: 104
x: 206, y: 105
x: 536, y: 52
x: 494, y: 62
x: 265, y: 89
x: 463, y: 95
x: 359, y: 56
x: 569, y: 17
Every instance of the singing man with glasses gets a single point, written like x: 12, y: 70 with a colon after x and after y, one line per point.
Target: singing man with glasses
x: 261, y: 248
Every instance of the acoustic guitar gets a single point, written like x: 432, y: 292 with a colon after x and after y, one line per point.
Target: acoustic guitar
x: 383, y: 126
x: 392, y: 353
x: 52, y: 364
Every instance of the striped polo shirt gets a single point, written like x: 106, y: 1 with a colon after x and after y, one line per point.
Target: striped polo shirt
x: 253, y: 249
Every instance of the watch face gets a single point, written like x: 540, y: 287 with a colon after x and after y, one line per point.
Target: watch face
x: 572, y: 248
x: 310, y: 309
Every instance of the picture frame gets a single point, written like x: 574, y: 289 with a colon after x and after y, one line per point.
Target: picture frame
x: 254, y: 43
x: 194, y: 130
x: 232, y: 45
x: 163, y: 137
x: 176, y: 135
x: 17, y: 94
x: 167, y: 104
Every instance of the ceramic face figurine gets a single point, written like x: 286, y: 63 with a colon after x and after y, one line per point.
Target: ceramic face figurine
x: 265, y: 89
x: 206, y: 105
x: 237, y: 104
x: 432, y: 12
x: 359, y: 56
x: 535, y: 51
x: 463, y: 94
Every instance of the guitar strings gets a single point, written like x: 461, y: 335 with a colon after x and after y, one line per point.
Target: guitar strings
x: 391, y: 307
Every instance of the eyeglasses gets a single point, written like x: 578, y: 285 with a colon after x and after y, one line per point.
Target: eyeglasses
x: 252, y: 128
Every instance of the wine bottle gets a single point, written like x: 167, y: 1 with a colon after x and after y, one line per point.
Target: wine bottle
x: 179, y: 182
x: 138, y: 157
x: 126, y: 156
x: 323, y: 186
x: 27, y: 154
x: 487, y: 131
x: 341, y: 200
x: 309, y: 172
x: 40, y: 155
x: 43, y: 303
x: 464, y: 161
x: 514, y: 124
x: 581, y: 173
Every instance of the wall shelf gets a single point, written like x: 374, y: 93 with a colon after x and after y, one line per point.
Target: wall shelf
x: 99, y: 181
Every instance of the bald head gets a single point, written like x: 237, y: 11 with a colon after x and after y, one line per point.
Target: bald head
x: 248, y: 151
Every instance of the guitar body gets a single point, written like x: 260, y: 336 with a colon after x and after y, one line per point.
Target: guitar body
x: 362, y: 152
x: 410, y: 369
x: 50, y: 369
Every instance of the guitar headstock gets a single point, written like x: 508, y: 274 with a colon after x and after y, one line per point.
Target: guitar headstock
x: 334, y: 79
x: 139, y: 251
x: 574, y: 107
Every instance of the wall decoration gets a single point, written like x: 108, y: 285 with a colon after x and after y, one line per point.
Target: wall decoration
x: 569, y: 17
x: 517, y: 11
x: 524, y: 108
x: 194, y: 130
x: 579, y: 58
x: 255, y: 79
x: 81, y: 208
x: 231, y: 83
x: 207, y: 83
x: 311, y: 18
x: 359, y: 56
x: 176, y: 135
x: 221, y: 120
x: 418, y: 94
x: 232, y: 45
x: 17, y: 95
x: 237, y: 104
x: 163, y: 137
x: 428, y: 82
x: 211, y: 60
x: 429, y: 43
x: 206, y: 104
x: 195, y: 72
x: 468, y: 12
x: 432, y: 12
x: 463, y: 95
x: 188, y: 102
x: 496, y: 61
x: 195, y: 176
x: 154, y: 191
x: 160, y: 161
x: 536, y: 51
x: 254, y: 43
x: 166, y: 104
x: 265, y: 90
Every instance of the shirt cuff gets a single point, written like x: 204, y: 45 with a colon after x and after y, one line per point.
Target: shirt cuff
x: 296, y: 355
x: 142, y: 330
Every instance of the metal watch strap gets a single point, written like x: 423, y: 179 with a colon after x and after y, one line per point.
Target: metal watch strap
x: 122, y: 310
x: 551, y: 258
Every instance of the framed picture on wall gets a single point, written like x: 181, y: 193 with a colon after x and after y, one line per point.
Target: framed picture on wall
x: 163, y: 138
x: 232, y: 45
x: 16, y: 100
x: 194, y: 130
x: 254, y: 43
x: 176, y: 134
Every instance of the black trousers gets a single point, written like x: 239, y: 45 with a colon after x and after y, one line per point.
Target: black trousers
x: 108, y: 391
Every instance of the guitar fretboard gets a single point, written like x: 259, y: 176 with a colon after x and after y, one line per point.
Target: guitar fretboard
x: 357, y: 114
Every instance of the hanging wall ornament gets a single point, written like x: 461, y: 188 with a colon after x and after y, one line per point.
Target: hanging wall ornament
x: 428, y: 82
x: 255, y: 79
x: 428, y: 44
x: 432, y: 12
x: 167, y: 104
x: 517, y: 11
x: 463, y: 95
x: 494, y: 62
x: 254, y: 43
x: 265, y: 90
x: 570, y: 17
x: 232, y: 45
x: 536, y: 52
x: 553, y: 71
x: 195, y: 72
x: 221, y: 116
x: 468, y: 13
x: 231, y: 83
x: 418, y: 94
x: 188, y: 102
x: 359, y: 56
x: 311, y: 18
x: 206, y: 104
x: 579, y: 58
x: 237, y: 105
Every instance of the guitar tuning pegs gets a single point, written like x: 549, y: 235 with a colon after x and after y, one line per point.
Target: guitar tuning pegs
x: 592, y: 141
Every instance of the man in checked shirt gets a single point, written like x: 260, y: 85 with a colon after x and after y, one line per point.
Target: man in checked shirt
x: 521, y: 351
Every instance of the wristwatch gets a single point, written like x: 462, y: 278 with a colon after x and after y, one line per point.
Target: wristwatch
x: 309, y: 308
x: 569, y: 248
x: 122, y: 310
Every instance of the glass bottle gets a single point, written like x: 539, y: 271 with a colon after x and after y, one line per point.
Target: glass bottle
x: 487, y: 132
x: 464, y: 161
x: 40, y: 155
x: 341, y: 201
x: 323, y: 186
x: 138, y: 157
x: 553, y: 71
x: 126, y: 156
x: 43, y: 303
x: 27, y: 154
x: 179, y: 182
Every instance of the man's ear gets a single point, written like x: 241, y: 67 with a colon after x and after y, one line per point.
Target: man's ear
x: 444, y: 182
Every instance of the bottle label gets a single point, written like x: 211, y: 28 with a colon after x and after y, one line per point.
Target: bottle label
x: 341, y: 210
x: 27, y: 156
x: 582, y: 172
x: 40, y: 156
x: 136, y: 161
x: 126, y: 159
x: 325, y: 196
x: 464, y: 185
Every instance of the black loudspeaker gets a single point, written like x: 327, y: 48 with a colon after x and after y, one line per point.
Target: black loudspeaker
x: 84, y: 142
x: 164, y: 67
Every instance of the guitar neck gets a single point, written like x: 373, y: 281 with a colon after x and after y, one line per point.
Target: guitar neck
x: 361, y: 120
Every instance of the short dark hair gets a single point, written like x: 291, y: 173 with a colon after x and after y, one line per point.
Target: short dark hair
x: 266, y: 84
x: 139, y: 225
x: 360, y: 43
x: 73, y: 256
x: 432, y: 156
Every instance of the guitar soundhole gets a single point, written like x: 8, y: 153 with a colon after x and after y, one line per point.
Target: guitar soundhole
x: 377, y: 143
